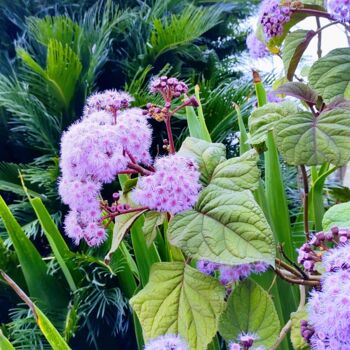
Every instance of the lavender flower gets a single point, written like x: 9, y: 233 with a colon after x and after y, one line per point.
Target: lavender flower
x: 272, y: 97
x: 245, y: 342
x: 229, y: 274
x: 85, y: 225
x: 91, y: 153
x: 339, y: 9
x: 172, y: 188
x: 256, y: 48
x: 273, y: 17
x: 108, y: 100
x: 167, y: 342
x: 329, y: 308
x: 135, y: 134
x: 79, y: 195
x: 169, y: 88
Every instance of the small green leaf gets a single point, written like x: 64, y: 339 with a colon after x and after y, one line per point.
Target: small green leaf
x: 121, y: 226
x: 250, y: 309
x: 180, y: 300
x: 295, y: 335
x: 305, y: 139
x: 295, y: 45
x: 330, y: 75
x: 338, y: 215
x: 237, y: 174
x: 224, y: 227
x: 263, y: 119
x: 298, y: 90
x: 208, y: 155
x: 153, y: 219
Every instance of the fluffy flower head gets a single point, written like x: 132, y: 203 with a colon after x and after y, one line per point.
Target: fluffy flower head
x: 167, y: 342
x: 172, y: 188
x: 91, y: 153
x: 339, y: 9
x: 273, y: 17
x: 108, y: 100
x: 256, y: 48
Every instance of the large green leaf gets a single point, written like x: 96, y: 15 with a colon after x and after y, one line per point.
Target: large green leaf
x: 47, y: 328
x: 338, y: 215
x: 303, y: 138
x: 237, y: 174
x: 330, y: 75
x: 264, y: 118
x: 295, y: 45
x: 180, y: 300
x: 250, y: 309
x: 208, y: 155
x: 42, y: 287
x: 225, y: 227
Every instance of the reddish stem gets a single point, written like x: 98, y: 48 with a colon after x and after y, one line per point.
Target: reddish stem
x: 170, y: 134
x: 139, y: 169
x: 313, y: 12
x: 111, y: 216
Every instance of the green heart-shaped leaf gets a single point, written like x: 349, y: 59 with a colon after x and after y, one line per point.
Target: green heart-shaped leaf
x: 305, y: 139
x: 338, y: 215
x: 250, y: 309
x: 224, y: 227
x: 263, y: 119
x: 330, y: 75
x: 180, y: 300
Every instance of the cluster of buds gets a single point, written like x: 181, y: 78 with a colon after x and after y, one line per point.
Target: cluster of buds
x: 245, y: 342
x: 157, y: 113
x: 169, y: 88
x: 273, y: 17
x: 306, y: 331
x: 310, y: 253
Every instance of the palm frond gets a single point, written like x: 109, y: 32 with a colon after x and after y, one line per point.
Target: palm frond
x: 182, y: 29
x: 29, y: 117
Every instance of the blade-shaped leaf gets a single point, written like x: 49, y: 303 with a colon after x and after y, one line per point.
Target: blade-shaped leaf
x: 47, y: 328
x: 263, y: 119
x: 208, y: 155
x: 295, y: 45
x: 330, y: 75
x: 298, y: 90
x: 237, y: 174
x: 57, y: 243
x: 42, y: 286
x: 153, y: 219
x: 224, y: 227
x: 305, y: 139
x: 250, y: 309
x: 180, y: 300
x: 4, y: 343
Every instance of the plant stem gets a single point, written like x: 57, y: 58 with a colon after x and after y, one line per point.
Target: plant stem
x: 139, y: 169
x: 305, y: 201
x: 313, y: 12
x: 319, y: 37
x: 170, y: 135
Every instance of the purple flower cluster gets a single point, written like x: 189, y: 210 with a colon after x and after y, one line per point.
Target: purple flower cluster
x: 256, y: 48
x: 93, y: 151
x: 229, y: 274
x: 167, y: 342
x: 169, y: 88
x: 339, y: 9
x: 329, y: 308
x: 308, y: 253
x: 306, y: 330
x: 245, y: 342
x: 173, y: 187
x: 273, y: 17
x: 272, y: 96
x: 108, y: 100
